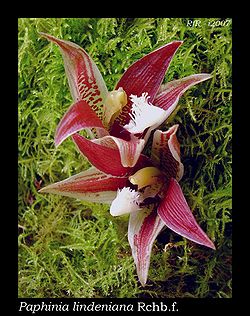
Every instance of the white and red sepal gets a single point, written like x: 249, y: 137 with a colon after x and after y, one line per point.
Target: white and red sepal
x: 165, y: 152
x: 90, y: 185
x: 144, y: 226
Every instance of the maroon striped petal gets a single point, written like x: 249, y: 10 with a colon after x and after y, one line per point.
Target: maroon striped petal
x: 130, y: 151
x: 85, y: 80
x: 176, y: 214
x: 144, y: 226
x: 170, y: 93
x: 90, y: 185
x: 104, y: 158
x: 166, y: 153
x: 145, y: 75
x: 79, y: 116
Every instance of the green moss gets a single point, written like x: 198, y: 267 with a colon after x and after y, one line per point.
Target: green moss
x: 69, y: 248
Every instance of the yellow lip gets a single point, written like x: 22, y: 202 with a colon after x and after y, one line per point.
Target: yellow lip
x: 114, y: 103
x: 145, y: 176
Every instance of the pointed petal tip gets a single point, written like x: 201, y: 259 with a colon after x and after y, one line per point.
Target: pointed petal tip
x: 50, y: 188
x: 179, y: 42
x: 174, y: 45
x: 42, y: 190
x: 57, y: 144
x: 142, y: 281
x: 52, y: 38
x: 206, y: 242
x: 47, y: 189
x: 57, y: 141
x: 207, y: 76
x: 201, y: 77
x: 211, y: 245
x: 42, y: 33
x: 47, y: 36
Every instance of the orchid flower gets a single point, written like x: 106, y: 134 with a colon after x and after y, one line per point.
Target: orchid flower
x: 119, y: 124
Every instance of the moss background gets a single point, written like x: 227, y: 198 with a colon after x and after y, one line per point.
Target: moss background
x: 69, y: 248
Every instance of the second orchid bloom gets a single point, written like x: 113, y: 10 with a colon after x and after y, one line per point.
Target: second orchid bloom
x: 118, y: 124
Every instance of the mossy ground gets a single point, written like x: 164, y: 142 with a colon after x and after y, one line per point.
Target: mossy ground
x: 69, y: 248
